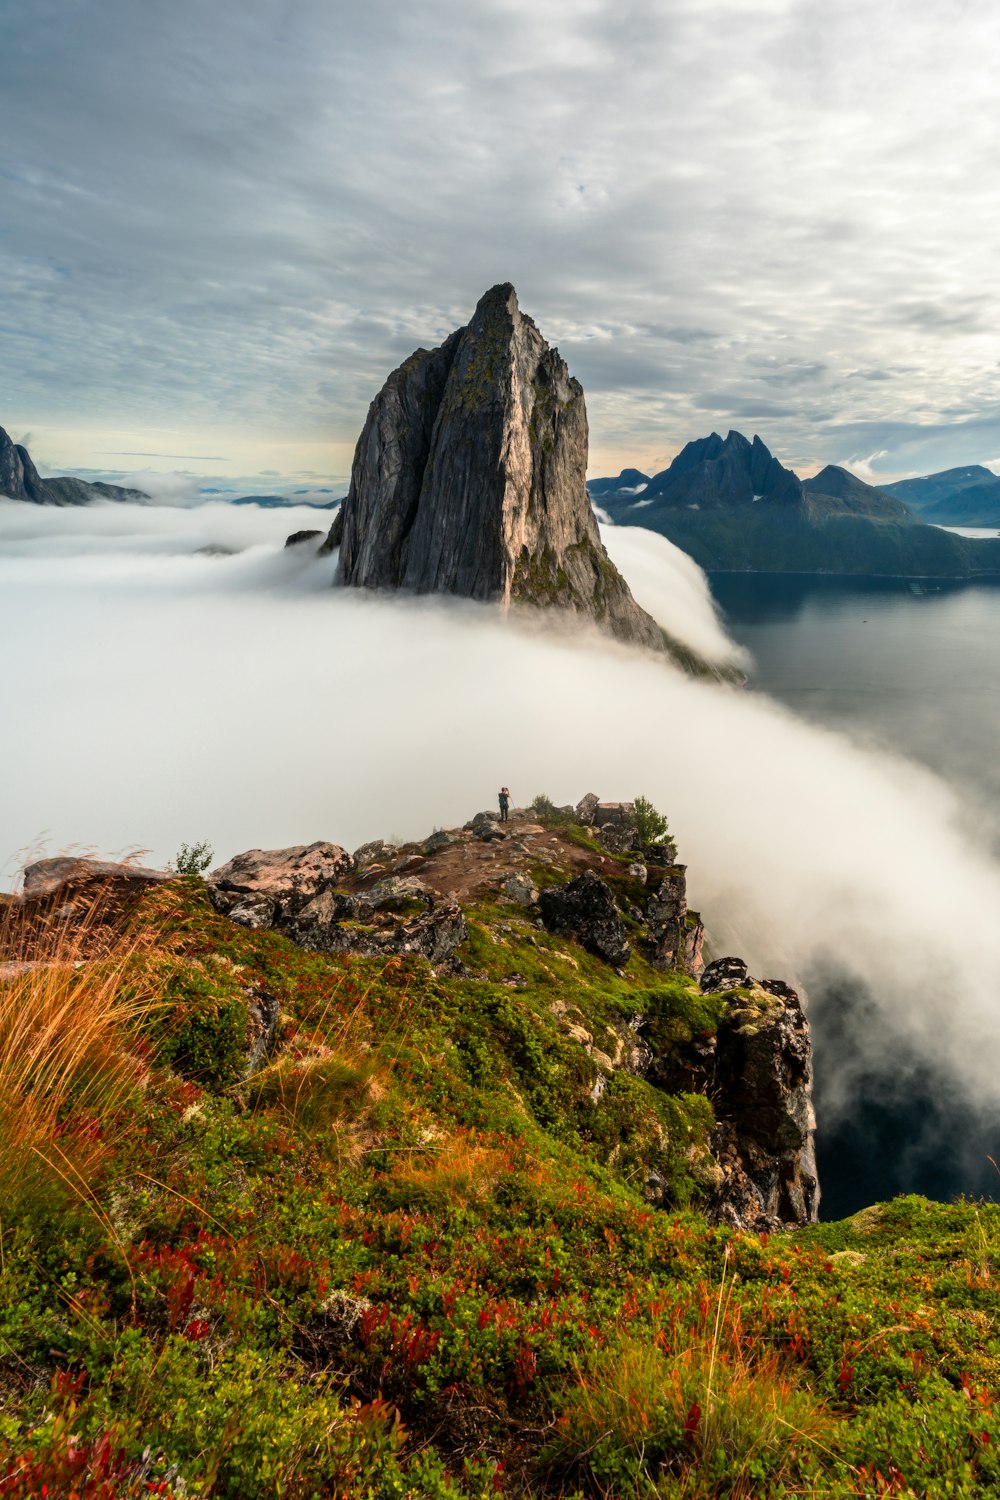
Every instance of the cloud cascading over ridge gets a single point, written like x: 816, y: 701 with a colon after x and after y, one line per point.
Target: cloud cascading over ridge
x: 149, y: 710
x: 225, y: 224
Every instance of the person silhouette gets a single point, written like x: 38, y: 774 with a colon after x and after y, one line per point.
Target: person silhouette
x: 504, y: 799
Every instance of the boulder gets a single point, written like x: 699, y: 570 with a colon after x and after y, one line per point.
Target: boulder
x: 48, y: 875
x: 370, y: 853
x: 586, y: 807
x: 398, y: 915
x: 520, y: 889
x: 584, y: 909
x: 271, y: 885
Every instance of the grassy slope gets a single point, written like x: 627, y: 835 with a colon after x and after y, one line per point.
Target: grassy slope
x: 409, y: 1258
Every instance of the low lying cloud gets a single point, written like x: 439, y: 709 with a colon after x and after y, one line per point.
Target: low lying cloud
x: 160, y: 693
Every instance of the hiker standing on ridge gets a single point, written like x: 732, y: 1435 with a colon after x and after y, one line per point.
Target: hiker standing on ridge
x: 504, y: 799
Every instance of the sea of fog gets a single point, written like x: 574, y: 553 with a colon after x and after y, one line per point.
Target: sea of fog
x: 173, y: 674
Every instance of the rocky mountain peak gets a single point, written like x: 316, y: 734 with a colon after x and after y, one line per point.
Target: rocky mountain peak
x: 469, y: 478
x: 725, y: 473
x: 20, y: 480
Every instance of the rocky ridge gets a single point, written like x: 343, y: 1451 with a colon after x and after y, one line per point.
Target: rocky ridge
x: 469, y: 478
x: 734, y: 507
x: 20, y: 480
x: 512, y: 904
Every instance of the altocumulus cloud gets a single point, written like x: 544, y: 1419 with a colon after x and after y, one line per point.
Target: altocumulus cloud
x: 161, y: 693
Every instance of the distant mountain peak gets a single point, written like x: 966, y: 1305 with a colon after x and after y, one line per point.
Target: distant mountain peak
x: 716, y: 473
x: 20, y: 480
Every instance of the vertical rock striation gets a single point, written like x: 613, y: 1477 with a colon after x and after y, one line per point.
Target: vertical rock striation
x: 469, y: 479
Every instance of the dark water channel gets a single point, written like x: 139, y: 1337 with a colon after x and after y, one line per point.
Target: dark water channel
x: 914, y: 668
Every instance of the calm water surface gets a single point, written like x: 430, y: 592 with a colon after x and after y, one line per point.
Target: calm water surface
x: 914, y: 668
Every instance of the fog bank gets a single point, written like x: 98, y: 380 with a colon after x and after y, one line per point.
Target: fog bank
x: 156, y: 695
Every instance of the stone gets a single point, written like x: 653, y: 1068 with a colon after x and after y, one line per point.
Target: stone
x: 469, y: 478
x: 586, y: 807
x: 398, y: 915
x: 584, y: 909
x: 520, y: 889
x: 439, y: 839
x: 674, y: 935
x: 724, y: 974
x: 638, y: 872
x: 288, y: 878
x: 298, y: 537
x: 48, y: 875
x: 369, y: 853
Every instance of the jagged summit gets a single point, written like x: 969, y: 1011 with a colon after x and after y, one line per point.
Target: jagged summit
x: 20, y: 480
x: 725, y: 472
x: 470, y: 479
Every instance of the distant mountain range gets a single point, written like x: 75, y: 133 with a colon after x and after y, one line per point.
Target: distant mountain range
x: 735, y: 508
x: 955, y: 497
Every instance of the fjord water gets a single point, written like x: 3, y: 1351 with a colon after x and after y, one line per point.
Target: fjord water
x: 915, y: 669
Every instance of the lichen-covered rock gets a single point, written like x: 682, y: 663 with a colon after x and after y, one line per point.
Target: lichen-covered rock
x: 266, y: 886
x: 398, y: 915
x: 674, y: 935
x: 48, y: 875
x: 469, y: 478
x: 520, y: 889
x: 584, y: 909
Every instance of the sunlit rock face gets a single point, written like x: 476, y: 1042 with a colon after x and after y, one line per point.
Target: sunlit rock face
x: 470, y: 479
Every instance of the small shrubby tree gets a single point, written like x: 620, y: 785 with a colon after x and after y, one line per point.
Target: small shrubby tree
x: 192, y: 859
x: 650, y: 825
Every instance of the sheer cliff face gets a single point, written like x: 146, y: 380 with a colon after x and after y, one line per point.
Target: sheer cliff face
x: 469, y: 479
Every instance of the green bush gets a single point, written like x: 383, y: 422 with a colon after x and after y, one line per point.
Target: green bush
x: 192, y: 859
x: 650, y: 825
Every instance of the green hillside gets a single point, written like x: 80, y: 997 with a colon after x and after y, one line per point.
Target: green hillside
x: 403, y: 1249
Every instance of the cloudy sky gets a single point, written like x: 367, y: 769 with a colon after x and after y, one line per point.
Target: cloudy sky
x: 223, y: 224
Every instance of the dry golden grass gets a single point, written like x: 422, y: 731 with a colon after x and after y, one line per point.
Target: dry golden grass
x: 69, y: 1012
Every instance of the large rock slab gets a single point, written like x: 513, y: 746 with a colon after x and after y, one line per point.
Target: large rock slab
x: 48, y: 875
x: 264, y: 886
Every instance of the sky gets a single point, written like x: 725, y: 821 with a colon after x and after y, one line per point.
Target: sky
x: 224, y: 224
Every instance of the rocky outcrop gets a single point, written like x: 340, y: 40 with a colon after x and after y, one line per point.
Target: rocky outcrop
x: 298, y: 537
x: 46, y: 876
x: 758, y: 1072
x: 675, y: 936
x: 470, y: 479
x: 299, y: 891
x: 584, y: 909
x: 20, y: 480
